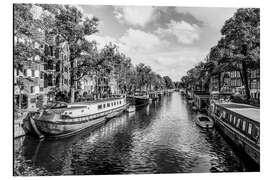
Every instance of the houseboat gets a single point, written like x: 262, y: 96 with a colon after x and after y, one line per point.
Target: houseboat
x: 138, y: 99
x: 241, y: 124
x: 61, y: 119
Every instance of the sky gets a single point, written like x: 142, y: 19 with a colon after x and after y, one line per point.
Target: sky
x: 169, y: 39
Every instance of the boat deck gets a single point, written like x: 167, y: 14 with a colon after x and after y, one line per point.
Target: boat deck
x: 248, y: 111
x: 97, y: 101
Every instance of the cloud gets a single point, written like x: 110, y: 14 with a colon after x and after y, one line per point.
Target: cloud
x: 133, y: 40
x: 175, y: 63
x: 148, y: 48
x: 184, y: 32
x: 137, y: 39
x: 213, y: 17
x: 134, y: 15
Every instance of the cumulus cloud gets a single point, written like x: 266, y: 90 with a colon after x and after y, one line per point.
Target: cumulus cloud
x: 175, y: 63
x: 184, y: 32
x: 213, y: 17
x: 137, y: 39
x: 148, y: 48
x: 134, y: 15
x: 133, y: 40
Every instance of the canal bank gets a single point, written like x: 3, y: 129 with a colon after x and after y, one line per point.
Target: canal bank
x: 160, y: 138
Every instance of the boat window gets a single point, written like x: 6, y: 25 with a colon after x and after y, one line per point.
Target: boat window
x: 238, y: 122
x: 114, y: 103
x: 120, y: 102
x: 244, y: 125
x: 224, y: 114
x: 104, y: 105
x: 82, y: 110
x: 70, y: 112
x: 256, y: 132
x: 249, y: 128
x: 100, y: 106
x: 108, y: 104
x: 231, y: 117
x: 234, y: 120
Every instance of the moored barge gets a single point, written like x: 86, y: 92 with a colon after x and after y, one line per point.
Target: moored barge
x: 241, y: 124
x: 139, y: 99
x: 62, y: 120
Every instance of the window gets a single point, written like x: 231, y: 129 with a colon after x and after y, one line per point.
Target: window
x: 25, y: 72
x: 224, y: 114
x: 41, y: 89
x: 114, y: 103
x: 108, y: 104
x: 244, y: 125
x: 234, y: 120
x: 120, y: 102
x: 256, y: 132
x: 231, y: 118
x: 104, y: 105
x: 249, y: 128
x: 238, y: 122
x: 41, y: 75
x: 33, y: 73
x: 100, y: 106
x: 32, y: 89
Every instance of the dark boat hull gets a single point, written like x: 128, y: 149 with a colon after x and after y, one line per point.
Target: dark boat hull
x: 243, y: 143
x: 138, y: 101
x: 63, y: 129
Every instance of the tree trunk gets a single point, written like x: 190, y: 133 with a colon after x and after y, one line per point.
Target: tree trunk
x: 72, y: 95
x: 72, y: 83
x: 245, y: 78
x: 219, y: 82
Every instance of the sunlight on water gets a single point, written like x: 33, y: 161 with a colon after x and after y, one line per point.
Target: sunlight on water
x: 160, y: 138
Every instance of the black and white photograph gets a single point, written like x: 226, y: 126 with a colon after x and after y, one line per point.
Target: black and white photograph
x: 135, y: 89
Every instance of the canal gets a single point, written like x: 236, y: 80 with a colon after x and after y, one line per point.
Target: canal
x: 159, y: 138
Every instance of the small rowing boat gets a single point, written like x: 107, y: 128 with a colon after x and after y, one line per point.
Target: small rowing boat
x: 204, y: 121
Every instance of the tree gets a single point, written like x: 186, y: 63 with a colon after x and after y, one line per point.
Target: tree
x: 73, y: 27
x: 241, y: 39
x: 168, y: 82
x: 143, y: 76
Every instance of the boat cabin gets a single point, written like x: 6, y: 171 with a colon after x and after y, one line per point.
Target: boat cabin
x: 89, y: 108
x: 244, y: 118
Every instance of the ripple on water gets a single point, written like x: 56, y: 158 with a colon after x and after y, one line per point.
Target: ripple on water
x: 161, y: 138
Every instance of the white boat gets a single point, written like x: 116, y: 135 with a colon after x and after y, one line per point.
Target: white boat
x: 204, y: 121
x: 63, y: 120
x: 131, y: 109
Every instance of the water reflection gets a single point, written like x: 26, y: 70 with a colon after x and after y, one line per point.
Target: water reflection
x: 159, y: 138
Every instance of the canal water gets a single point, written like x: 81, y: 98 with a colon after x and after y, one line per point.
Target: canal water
x: 159, y: 138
